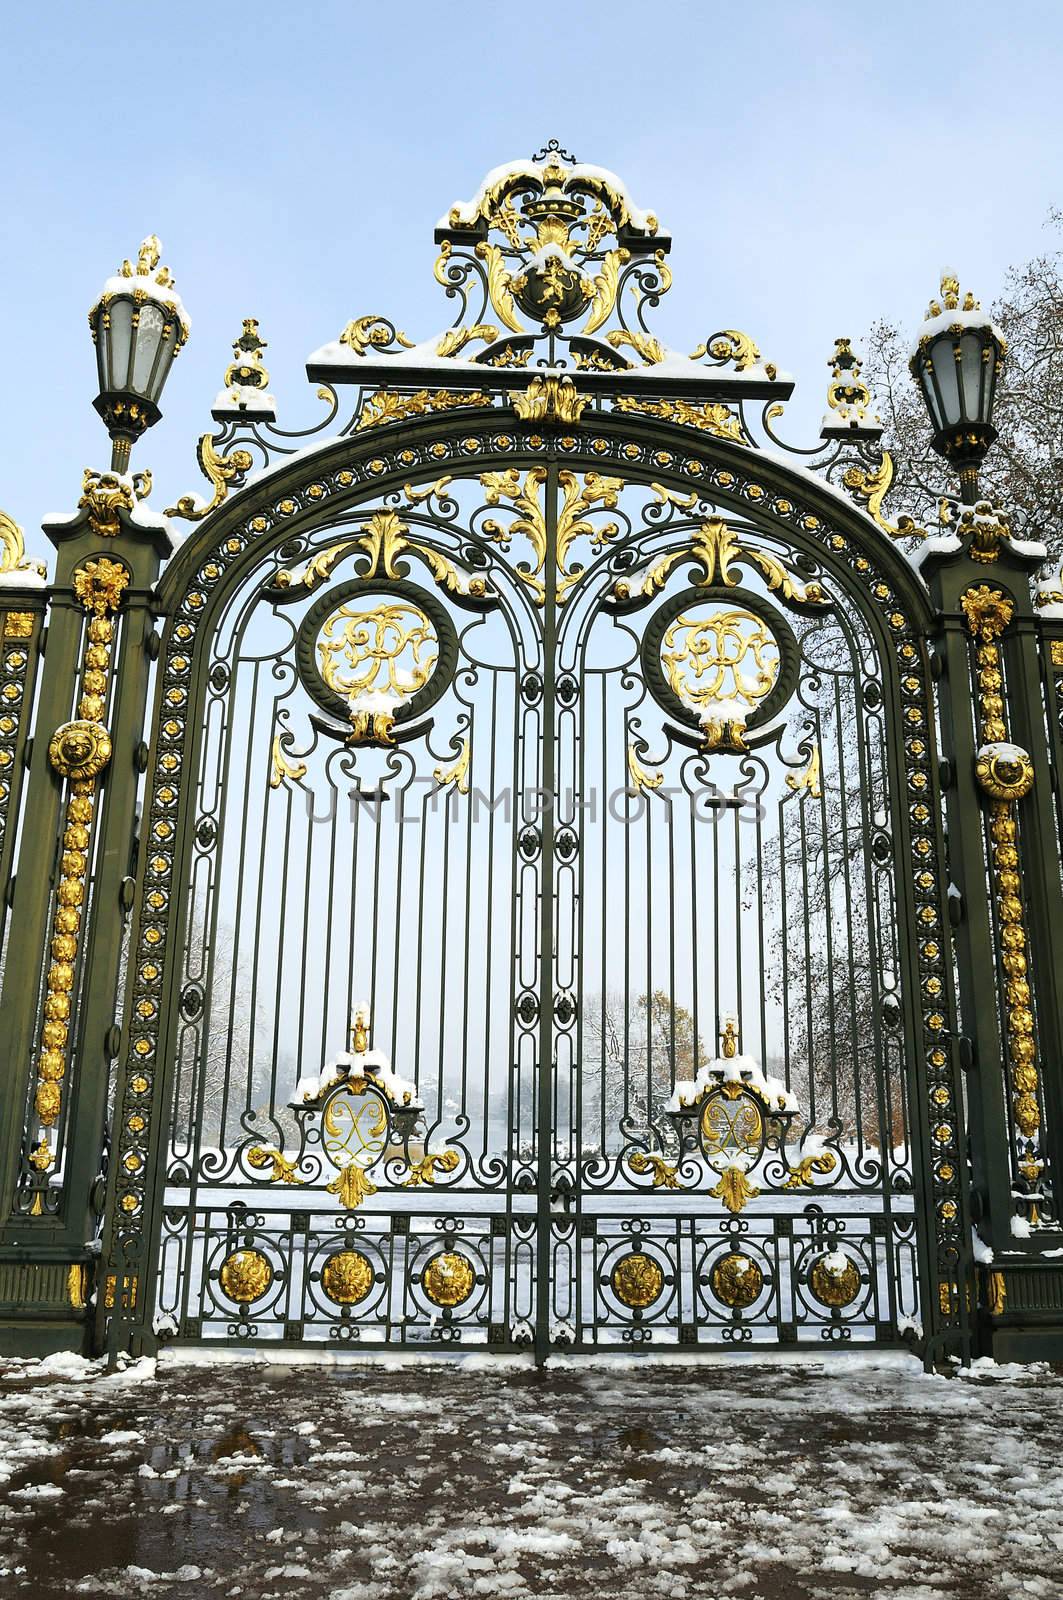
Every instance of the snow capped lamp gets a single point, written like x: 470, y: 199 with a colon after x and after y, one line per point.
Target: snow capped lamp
x: 955, y: 362
x: 138, y: 325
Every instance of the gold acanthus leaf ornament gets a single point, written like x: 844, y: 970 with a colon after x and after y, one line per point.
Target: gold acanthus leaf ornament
x: 373, y: 330
x: 641, y: 778
x: 456, y: 339
x: 802, y: 1176
x: 384, y: 540
x: 665, y: 1174
x: 425, y: 1171
x: 529, y: 519
x: 715, y: 545
x: 456, y: 774
x: 104, y: 494
x: 871, y: 486
x: 316, y: 570
x: 281, y: 1169
x: 549, y: 399
x: 807, y: 781
x: 672, y: 497
x: 734, y: 1189
x: 605, y: 285
x: 718, y: 420
x: 283, y: 770
x: 351, y: 1186
x: 650, y: 349
x: 499, y: 279
x: 508, y: 357
x: 388, y: 406
x: 220, y: 471
x: 13, y: 549
x: 576, y: 501
x: 781, y: 580
x: 731, y: 345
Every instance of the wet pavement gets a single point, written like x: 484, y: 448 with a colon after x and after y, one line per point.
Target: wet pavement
x: 764, y: 1480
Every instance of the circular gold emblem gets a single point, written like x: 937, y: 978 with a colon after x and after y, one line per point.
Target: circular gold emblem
x: 79, y: 749
x: 736, y: 1279
x: 347, y: 1277
x: 637, y: 1280
x: 449, y: 1278
x: 245, y: 1276
x: 834, y: 1279
x: 1004, y: 771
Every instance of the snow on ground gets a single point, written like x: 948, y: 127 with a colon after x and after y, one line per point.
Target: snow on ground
x: 763, y: 1480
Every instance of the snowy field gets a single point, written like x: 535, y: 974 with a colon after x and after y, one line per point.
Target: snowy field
x: 763, y: 1479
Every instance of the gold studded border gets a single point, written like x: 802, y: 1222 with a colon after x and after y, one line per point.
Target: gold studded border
x: 78, y: 753
x: 988, y: 612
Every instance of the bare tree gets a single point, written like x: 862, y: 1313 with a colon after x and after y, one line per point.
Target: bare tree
x: 646, y: 1042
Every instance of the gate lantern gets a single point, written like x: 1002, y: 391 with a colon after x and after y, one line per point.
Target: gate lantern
x: 138, y: 326
x: 956, y: 363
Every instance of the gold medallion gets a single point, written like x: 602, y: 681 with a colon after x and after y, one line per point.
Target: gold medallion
x: 347, y: 1277
x: 245, y: 1276
x: 449, y: 1278
x: 834, y: 1279
x: 736, y: 1279
x: 637, y: 1280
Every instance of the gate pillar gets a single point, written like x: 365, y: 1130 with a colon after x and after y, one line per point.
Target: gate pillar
x: 1009, y: 925
x: 58, y: 1003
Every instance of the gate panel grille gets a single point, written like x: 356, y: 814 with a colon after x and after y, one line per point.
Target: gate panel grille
x: 673, y: 874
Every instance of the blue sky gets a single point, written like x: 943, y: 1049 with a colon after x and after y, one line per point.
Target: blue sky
x: 814, y: 164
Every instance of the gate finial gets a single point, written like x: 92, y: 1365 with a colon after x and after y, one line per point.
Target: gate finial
x: 554, y: 148
x: 360, y: 1029
x: 729, y: 1038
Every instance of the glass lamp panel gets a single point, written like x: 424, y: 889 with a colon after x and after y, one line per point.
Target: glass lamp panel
x: 974, y: 393
x: 167, y: 351
x: 120, y: 345
x: 945, y: 365
x: 149, y: 337
x: 103, y: 349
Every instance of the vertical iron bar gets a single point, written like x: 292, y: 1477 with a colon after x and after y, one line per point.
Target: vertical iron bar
x: 545, y: 1098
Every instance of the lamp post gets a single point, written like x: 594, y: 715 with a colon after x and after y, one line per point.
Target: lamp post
x: 955, y: 363
x: 138, y: 326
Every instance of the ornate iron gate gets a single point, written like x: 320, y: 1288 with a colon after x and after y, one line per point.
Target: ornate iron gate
x: 539, y: 932
x: 455, y: 869
x: 536, y: 929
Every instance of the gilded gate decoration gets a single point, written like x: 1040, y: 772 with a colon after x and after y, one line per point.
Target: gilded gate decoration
x: 540, y: 931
